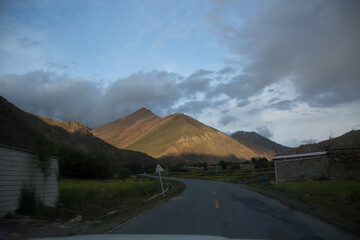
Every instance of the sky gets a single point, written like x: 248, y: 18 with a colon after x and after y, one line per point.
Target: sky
x: 288, y: 70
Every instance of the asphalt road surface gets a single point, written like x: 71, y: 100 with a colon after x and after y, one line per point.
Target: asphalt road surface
x: 228, y: 210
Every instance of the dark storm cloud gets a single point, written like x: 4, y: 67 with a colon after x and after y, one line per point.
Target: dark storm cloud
x: 315, y: 43
x: 264, y: 131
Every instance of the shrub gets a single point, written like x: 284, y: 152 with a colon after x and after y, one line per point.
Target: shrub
x: 77, y: 164
x: 122, y: 173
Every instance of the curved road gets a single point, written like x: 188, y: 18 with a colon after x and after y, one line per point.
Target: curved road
x: 224, y: 209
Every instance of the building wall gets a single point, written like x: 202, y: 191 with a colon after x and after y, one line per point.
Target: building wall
x: 302, y: 169
x: 344, y: 163
x: 18, y: 169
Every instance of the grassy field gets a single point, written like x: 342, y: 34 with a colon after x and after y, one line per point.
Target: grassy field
x: 337, y: 201
x: 93, y: 200
x: 229, y: 175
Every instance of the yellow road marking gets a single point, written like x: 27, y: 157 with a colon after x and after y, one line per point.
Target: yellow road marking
x: 216, y: 204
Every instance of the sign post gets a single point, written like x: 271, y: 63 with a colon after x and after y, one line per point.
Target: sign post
x: 159, y: 169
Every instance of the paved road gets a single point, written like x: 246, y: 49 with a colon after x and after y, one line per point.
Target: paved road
x: 223, y: 209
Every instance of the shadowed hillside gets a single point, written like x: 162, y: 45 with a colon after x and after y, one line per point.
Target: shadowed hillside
x: 176, y: 136
x: 256, y: 141
x: 348, y: 140
x: 21, y: 129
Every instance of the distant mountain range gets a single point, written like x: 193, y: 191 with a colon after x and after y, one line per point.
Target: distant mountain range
x: 140, y: 136
x: 256, y: 141
x: 175, y: 138
x: 20, y: 129
x: 348, y: 140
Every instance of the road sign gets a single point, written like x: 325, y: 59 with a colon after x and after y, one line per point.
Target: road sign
x: 159, y: 169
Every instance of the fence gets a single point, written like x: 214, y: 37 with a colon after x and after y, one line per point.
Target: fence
x: 19, y: 169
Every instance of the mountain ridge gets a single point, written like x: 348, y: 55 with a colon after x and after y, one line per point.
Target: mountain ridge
x: 250, y: 138
x: 176, y: 136
x: 347, y: 140
x: 20, y: 129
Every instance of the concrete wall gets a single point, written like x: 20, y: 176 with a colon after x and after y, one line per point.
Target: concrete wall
x: 18, y: 169
x: 302, y: 169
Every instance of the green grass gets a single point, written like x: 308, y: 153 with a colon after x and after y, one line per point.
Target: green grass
x: 337, y: 201
x: 228, y: 175
x: 92, y: 199
x: 106, y: 194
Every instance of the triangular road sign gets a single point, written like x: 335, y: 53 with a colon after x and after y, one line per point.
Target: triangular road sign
x: 159, y: 169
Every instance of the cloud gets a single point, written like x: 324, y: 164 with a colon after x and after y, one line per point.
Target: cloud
x: 65, y: 98
x: 283, y: 105
x: 227, y: 119
x: 198, y: 106
x: 309, y: 141
x: 313, y: 42
x: 227, y: 70
x: 55, y: 96
x: 264, y: 131
x: 154, y: 90
x: 198, y: 81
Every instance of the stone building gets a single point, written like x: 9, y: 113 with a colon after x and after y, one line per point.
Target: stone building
x: 330, y: 164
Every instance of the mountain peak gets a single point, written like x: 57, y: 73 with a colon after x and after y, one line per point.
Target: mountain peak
x: 250, y: 138
x: 73, y: 126
x: 142, y: 112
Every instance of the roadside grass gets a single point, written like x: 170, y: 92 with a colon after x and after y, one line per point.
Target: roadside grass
x: 336, y: 201
x: 229, y: 175
x: 93, y: 200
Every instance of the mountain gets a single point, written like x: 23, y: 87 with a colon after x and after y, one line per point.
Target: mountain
x: 350, y: 139
x: 126, y: 131
x: 254, y: 140
x: 21, y: 129
x: 174, y: 138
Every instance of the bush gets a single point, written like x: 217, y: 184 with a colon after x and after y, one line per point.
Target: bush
x: 77, y: 164
x: 122, y: 173
x: 134, y: 167
x: 262, y: 163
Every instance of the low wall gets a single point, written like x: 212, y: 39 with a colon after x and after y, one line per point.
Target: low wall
x: 18, y: 169
x: 344, y: 163
x: 302, y: 169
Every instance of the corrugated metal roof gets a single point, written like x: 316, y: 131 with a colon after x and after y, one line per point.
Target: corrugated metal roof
x: 299, y: 155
